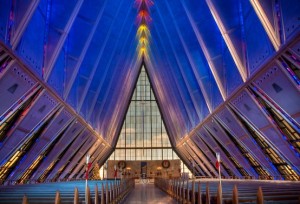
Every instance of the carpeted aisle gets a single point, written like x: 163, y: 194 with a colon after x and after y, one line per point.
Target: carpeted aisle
x: 148, y: 193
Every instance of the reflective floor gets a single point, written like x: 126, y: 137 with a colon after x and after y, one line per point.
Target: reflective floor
x: 148, y: 193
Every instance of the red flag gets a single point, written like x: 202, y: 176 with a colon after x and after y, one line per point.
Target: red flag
x: 115, y: 173
x: 87, y: 170
x: 217, y: 164
x: 218, y: 160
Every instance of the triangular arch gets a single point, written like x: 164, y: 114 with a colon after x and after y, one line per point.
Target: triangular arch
x: 143, y: 135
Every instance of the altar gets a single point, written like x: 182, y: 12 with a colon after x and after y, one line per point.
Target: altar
x: 143, y: 169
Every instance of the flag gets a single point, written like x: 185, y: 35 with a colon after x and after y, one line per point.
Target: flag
x: 88, y: 166
x: 217, y: 165
x: 115, y: 171
x: 115, y: 174
x: 218, y: 161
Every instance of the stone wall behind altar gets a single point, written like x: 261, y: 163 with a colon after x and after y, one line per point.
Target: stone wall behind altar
x: 154, y: 168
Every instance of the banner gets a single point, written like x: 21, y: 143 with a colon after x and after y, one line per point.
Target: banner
x: 218, y: 160
x: 115, y: 171
x: 88, y: 166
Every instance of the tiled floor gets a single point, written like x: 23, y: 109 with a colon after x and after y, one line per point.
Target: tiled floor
x: 148, y: 193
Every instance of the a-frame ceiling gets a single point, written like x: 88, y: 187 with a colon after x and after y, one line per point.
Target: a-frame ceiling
x: 203, y: 58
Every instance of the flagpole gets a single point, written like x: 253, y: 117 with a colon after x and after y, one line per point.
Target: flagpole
x: 218, y: 165
x: 220, y: 178
x: 87, y: 170
x: 115, y: 172
x: 219, y: 170
x: 86, y: 177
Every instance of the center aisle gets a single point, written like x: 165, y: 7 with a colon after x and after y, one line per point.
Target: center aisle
x: 148, y: 193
